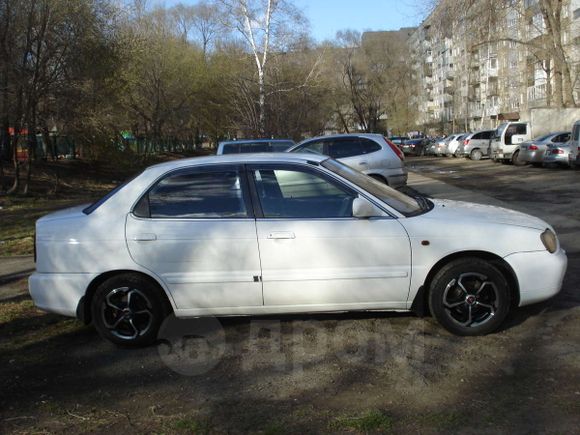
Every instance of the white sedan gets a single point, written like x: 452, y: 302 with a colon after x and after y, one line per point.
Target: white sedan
x: 285, y: 233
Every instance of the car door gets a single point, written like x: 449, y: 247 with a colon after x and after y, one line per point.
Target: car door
x: 195, y: 229
x: 314, y: 254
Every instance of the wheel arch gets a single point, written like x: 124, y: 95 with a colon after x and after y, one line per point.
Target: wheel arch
x: 420, y: 304
x: 379, y: 177
x: 84, y: 307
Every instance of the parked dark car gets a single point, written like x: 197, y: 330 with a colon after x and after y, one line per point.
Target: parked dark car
x: 254, y: 146
x: 415, y: 147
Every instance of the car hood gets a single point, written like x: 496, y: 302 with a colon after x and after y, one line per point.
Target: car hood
x: 459, y: 211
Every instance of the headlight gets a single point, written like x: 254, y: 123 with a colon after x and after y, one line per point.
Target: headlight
x: 549, y: 240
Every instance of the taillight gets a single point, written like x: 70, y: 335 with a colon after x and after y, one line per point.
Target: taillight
x: 533, y: 147
x: 396, y: 149
x: 557, y: 151
x: 466, y: 142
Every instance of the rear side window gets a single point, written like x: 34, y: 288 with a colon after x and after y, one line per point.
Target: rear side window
x: 484, y: 135
x: 564, y: 137
x: 231, y: 148
x: 216, y: 194
x: 343, y: 148
x: 576, y: 133
x: 258, y: 147
x: 314, y: 147
x: 279, y: 147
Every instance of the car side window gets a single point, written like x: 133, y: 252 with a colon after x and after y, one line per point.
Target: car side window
x: 231, y: 148
x: 342, y: 148
x: 195, y: 195
x: 368, y: 146
x: 257, y: 147
x: 314, y: 147
x: 293, y: 193
x: 564, y: 137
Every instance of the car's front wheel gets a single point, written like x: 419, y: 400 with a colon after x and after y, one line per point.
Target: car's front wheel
x: 469, y: 296
x: 128, y: 310
x: 476, y: 155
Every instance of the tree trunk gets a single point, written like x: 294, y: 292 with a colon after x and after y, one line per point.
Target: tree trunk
x: 261, y: 104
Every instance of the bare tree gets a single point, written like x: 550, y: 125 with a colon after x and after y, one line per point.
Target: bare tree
x: 263, y: 24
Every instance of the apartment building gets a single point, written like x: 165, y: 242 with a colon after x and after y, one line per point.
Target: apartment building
x: 476, y: 70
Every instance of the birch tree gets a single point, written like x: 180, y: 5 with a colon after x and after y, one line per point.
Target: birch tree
x: 264, y: 25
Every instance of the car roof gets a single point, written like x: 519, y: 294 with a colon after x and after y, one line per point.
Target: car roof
x: 345, y: 135
x: 246, y: 141
x: 240, y: 159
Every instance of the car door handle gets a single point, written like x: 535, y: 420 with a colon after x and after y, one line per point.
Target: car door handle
x: 145, y: 237
x: 282, y: 235
x: 363, y: 163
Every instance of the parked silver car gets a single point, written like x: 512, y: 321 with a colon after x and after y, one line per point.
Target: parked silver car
x: 533, y: 151
x: 442, y: 145
x: 454, y: 143
x: 557, y: 154
x: 370, y: 154
x: 475, y: 145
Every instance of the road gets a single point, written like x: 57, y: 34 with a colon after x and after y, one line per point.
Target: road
x: 322, y: 373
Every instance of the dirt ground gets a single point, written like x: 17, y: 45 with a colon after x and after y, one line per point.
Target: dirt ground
x: 336, y: 373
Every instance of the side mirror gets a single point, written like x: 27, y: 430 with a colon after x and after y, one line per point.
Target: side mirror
x: 363, y: 209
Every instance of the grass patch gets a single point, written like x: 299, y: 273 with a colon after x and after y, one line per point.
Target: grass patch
x: 10, y: 311
x: 22, y: 325
x: 18, y: 216
x: 190, y: 425
x: 440, y: 420
x: 274, y: 429
x: 370, y: 421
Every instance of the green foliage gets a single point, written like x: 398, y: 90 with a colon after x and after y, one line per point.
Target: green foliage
x: 370, y: 421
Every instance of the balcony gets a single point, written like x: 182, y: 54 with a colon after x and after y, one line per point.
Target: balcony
x: 448, y: 86
x: 447, y: 98
x: 537, y: 92
x: 475, y: 110
x: 492, y: 88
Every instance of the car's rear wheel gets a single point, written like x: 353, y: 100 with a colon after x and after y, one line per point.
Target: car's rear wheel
x: 128, y: 310
x: 469, y: 296
x: 516, y: 159
x: 476, y: 155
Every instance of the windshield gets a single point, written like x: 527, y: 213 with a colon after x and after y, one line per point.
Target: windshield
x: 95, y: 205
x: 399, y: 201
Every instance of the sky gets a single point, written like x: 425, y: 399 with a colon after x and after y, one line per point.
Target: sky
x: 329, y: 16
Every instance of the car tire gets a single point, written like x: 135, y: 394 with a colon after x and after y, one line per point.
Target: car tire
x: 469, y: 296
x: 476, y: 155
x: 516, y: 159
x: 128, y: 310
